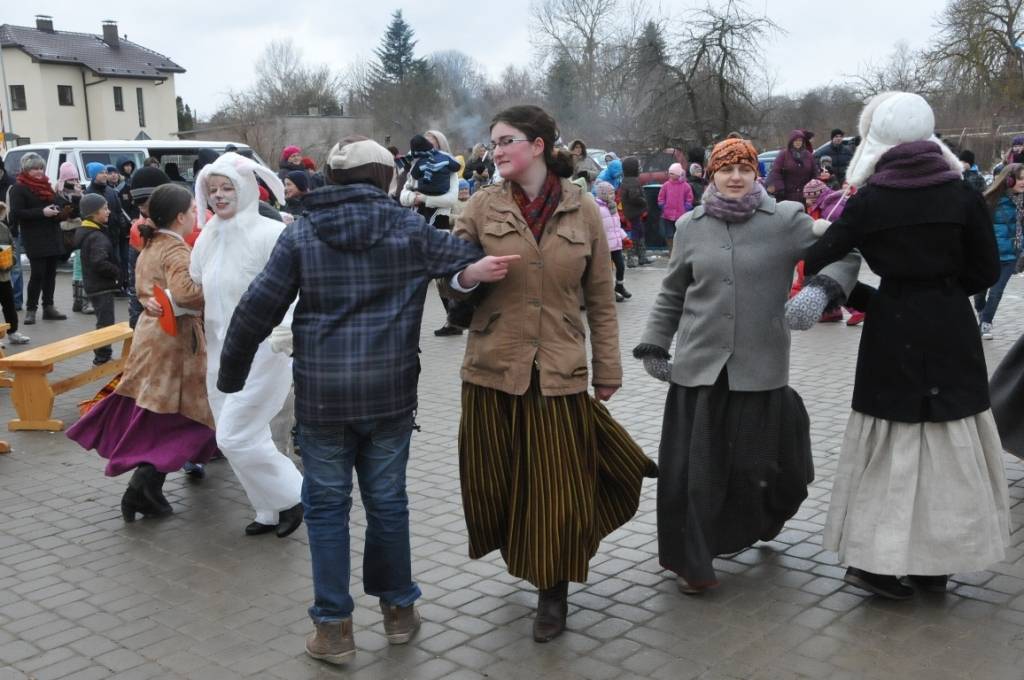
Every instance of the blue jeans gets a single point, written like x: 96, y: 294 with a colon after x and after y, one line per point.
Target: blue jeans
x: 17, y: 281
x: 379, y: 452
x: 987, y: 303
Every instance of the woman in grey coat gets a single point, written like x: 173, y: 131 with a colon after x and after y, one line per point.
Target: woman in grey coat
x: 735, y: 453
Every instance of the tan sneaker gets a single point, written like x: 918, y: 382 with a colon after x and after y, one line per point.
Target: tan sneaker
x: 332, y: 642
x: 400, y: 623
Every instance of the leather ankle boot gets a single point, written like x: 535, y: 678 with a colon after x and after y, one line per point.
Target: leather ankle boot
x: 332, y: 642
x: 552, y: 608
x: 50, y: 313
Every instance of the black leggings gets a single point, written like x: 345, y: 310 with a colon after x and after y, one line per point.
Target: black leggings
x: 43, y: 280
x: 620, y: 266
x: 7, y: 303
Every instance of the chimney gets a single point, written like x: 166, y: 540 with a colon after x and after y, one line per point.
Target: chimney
x: 44, y: 22
x: 110, y: 34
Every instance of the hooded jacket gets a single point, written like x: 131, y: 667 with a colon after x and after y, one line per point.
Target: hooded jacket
x: 631, y: 192
x: 675, y: 198
x: 792, y: 169
x: 360, y: 265
x: 612, y: 173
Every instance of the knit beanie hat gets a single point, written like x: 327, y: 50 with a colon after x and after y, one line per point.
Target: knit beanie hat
x: 309, y: 163
x: 813, y: 188
x: 93, y: 169
x: 288, y: 151
x: 420, y: 143
x: 696, y: 170
x: 90, y: 205
x: 732, y: 152
x: 676, y: 169
x: 605, y: 191
x: 112, y: 168
x: 67, y: 172
x: 357, y: 160
x: 300, y: 179
x: 1018, y: 141
x: 463, y: 184
x: 145, y: 181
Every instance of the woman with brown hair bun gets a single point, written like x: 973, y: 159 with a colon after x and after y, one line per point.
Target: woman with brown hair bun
x: 546, y: 472
x: 158, y: 418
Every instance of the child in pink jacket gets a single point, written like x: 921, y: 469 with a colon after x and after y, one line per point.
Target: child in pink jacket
x: 613, y: 231
x: 675, y: 200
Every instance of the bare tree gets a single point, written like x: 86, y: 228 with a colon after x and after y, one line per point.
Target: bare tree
x: 904, y: 69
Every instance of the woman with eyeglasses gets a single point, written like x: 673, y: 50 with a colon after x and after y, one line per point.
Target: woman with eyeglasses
x: 546, y: 472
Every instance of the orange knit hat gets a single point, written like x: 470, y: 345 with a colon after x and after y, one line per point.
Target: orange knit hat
x: 732, y: 152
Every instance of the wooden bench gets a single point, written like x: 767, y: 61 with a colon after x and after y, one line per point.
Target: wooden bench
x: 33, y: 393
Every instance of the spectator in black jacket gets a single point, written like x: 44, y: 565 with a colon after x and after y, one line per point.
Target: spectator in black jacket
x: 840, y: 152
x: 38, y: 211
x: 634, y: 205
x: 971, y: 174
x: 100, y: 270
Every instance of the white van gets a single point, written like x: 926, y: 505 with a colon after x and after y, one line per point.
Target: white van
x: 112, y: 152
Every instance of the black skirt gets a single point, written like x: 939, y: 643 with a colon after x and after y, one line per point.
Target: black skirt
x: 734, y: 466
x: 1007, y: 388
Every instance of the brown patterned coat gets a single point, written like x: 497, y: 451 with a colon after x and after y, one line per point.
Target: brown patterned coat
x: 167, y: 374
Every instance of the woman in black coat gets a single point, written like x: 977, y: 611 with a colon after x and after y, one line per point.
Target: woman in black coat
x: 920, y: 488
x: 38, y: 212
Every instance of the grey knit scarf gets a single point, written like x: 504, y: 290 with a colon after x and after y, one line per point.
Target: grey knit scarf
x: 732, y: 210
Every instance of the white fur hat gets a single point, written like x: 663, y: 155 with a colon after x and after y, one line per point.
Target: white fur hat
x: 889, y: 119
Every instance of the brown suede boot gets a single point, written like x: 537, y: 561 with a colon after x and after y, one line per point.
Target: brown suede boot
x: 552, y: 607
x: 332, y: 642
x: 400, y: 623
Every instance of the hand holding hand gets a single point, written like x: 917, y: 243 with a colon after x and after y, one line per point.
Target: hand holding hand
x: 821, y: 225
x: 658, y: 368
x: 804, y: 310
x: 51, y: 211
x: 489, y: 269
x: 281, y: 340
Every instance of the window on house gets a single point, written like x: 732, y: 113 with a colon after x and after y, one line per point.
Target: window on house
x: 65, y: 97
x: 118, y: 98
x: 142, y: 109
x: 18, y: 98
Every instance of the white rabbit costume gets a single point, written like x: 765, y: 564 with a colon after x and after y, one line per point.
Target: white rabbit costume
x: 227, y: 256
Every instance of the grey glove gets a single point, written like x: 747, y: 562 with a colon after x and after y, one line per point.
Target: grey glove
x: 657, y: 361
x: 658, y: 368
x: 804, y: 310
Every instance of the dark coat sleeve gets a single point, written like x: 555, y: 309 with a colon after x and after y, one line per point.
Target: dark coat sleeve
x: 981, y: 254
x: 840, y: 239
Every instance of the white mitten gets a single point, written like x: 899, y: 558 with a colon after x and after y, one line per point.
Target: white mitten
x: 281, y: 340
x: 821, y: 225
x: 804, y: 310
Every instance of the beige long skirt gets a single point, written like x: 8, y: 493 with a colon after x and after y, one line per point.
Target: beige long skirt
x: 919, y: 498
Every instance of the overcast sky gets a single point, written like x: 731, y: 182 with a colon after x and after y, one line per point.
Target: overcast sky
x: 216, y: 42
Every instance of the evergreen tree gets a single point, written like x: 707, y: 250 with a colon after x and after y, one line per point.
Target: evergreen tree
x: 185, y: 119
x: 396, y: 59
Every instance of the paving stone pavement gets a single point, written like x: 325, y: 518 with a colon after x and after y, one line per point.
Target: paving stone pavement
x: 84, y: 595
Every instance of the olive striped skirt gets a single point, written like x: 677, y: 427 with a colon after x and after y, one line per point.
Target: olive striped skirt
x: 544, y: 479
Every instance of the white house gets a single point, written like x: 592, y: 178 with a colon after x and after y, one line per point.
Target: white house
x: 60, y: 85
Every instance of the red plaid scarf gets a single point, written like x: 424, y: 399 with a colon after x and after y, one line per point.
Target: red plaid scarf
x: 538, y: 211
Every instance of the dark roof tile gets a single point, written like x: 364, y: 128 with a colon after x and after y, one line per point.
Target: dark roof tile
x: 64, y: 47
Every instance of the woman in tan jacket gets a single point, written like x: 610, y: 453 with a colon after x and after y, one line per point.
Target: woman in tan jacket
x: 158, y: 418
x: 546, y: 472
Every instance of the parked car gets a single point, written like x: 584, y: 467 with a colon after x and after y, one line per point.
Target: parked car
x: 109, y: 152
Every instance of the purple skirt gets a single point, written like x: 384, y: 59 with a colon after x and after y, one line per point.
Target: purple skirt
x: 127, y: 436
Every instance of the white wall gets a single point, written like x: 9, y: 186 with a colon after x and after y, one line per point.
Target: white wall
x: 45, y: 120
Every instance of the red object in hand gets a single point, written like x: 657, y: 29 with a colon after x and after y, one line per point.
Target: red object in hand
x: 627, y: 244
x: 167, y: 320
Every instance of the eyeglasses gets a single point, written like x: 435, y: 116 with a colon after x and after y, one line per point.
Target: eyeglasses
x: 505, y: 141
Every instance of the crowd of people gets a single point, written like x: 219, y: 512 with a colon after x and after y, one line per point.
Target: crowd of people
x: 249, y: 284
